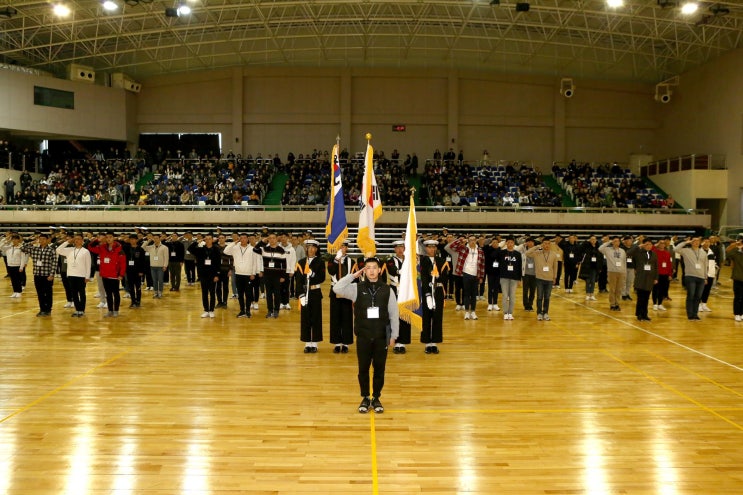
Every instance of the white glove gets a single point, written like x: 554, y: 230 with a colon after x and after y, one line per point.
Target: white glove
x: 303, y: 300
x: 430, y: 302
x: 202, y: 244
x: 339, y: 255
x: 311, y: 274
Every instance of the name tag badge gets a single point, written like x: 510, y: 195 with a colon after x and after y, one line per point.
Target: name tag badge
x: 545, y: 269
x: 495, y: 264
x: 372, y: 313
x: 593, y: 258
x: 146, y: 253
x: 697, y: 266
x: 155, y: 258
x: 207, y: 262
x: 98, y: 261
x: 448, y: 258
x: 571, y: 255
x: 107, y: 260
x: 530, y: 265
x: 619, y: 263
x: 663, y: 264
x: 509, y: 268
x: 74, y: 264
x: 131, y: 262
x: 270, y: 264
x: 647, y: 268
x: 172, y: 254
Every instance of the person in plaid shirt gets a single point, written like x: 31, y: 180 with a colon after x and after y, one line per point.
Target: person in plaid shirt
x: 44, y: 257
x: 471, y: 266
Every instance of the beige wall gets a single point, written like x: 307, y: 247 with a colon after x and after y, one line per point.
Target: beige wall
x: 99, y: 113
x: 513, y: 117
x: 705, y: 116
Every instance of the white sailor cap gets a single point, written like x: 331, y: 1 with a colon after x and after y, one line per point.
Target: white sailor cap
x: 398, y: 243
x: 431, y: 242
x: 311, y: 242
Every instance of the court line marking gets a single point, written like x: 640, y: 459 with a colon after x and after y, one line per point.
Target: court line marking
x: 653, y: 334
x: 64, y: 385
x: 674, y: 390
x: 375, y: 470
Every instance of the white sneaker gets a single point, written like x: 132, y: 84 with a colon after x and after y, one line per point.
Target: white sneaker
x: 467, y: 315
x: 588, y: 298
x: 473, y: 316
x: 510, y: 317
x: 459, y: 307
x: 738, y: 318
x: 254, y: 305
x: 546, y: 317
x: 593, y: 298
x: 211, y: 314
x: 496, y: 307
x: 655, y: 307
x: 287, y: 307
x: 97, y: 295
x: 490, y: 307
x: 661, y: 308
x: 705, y: 308
x: 127, y: 296
x: 263, y: 295
x: 68, y: 304
x: 505, y: 316
x: 15, y: 295
x: 205, y: 314
x: 101, y: 305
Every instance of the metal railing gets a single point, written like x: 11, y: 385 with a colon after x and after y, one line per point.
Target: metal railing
x: 304, y: 208
x: 682, y: 163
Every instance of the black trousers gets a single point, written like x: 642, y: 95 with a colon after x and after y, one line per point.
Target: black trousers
x: 174, y: 269
x: 433, y: 321
x: 559, y: 272
x: 148, y: 275
x: 341, y: 320
x: 738, y: 297
x: 530, y: 286
x: 371, y: 351
x: 113, y: 298
x: 457, y: 289
x: 469, y: 291
x: 272, y: 282
x: 223, y: 287
x: 660, y: 290
x: 571, y: 273
x: 44, y: 292
x: 15, y: 278
x: 134, y: 286
x: 310, y: 320
x: 288, y: 280
x: 208, y: 292
x: 255, y: 288
x: 190, y: 271
x: 244, y: 292
x: 493, y: 287
x: 77, y: 287
x: 641, y: 308
x: 67, y: 288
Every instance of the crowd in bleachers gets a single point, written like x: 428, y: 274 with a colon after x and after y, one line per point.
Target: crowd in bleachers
x: 80, y: 182
x: 309, y: 178
x: 452, y: 182
x: 209, y: 181
x: 607, y: 185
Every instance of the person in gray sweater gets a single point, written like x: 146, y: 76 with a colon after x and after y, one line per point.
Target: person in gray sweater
x: 616, y: 269
x: 695, y: 273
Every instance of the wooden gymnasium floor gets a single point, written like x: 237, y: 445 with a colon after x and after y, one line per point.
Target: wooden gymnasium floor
x: 162, y: 402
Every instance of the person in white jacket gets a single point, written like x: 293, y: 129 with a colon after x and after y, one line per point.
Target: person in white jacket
x: 248, y: 265
x: 159, y: 260
x: 16, y: 261
x: 291, y: 261
x: 79, y: 267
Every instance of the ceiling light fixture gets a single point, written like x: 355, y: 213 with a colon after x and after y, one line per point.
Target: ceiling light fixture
x: 614, y: 4
x: 689, y: 8
x: 109, y: 5
x: 61, y: 10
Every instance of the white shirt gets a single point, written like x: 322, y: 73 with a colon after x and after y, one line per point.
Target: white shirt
x: 247, y: 261
x: 470, y: 264
x: 78, y: 260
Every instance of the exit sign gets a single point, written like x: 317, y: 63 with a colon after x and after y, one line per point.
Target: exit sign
x: 398, y: 128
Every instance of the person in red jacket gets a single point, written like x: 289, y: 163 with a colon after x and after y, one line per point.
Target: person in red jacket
x: 112, y: 268
x: 665, y: 271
